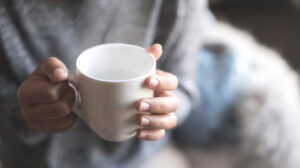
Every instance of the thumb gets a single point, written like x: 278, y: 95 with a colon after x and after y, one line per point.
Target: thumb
x: 52, y: 69
x: 156, y: 50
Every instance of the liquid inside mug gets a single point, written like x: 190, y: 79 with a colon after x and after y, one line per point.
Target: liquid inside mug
x: 110, y: 79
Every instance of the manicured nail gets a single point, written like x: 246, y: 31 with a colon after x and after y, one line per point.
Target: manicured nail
x: 145, y: 121
x: 59, y: 73
x: 153, y: 82
x: 144, y: 106
x: 142, y: 135
x: 158, y: 46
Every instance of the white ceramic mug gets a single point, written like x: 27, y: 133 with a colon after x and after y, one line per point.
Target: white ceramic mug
x: 110, y: 79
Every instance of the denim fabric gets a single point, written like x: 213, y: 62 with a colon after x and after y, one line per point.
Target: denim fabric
x: 221, y: 73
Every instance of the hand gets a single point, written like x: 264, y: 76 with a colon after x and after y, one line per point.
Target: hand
x: 162, y: 106
x: 46, y: 99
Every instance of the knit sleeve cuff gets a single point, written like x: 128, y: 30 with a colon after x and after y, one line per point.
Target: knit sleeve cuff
x: 14, y: 126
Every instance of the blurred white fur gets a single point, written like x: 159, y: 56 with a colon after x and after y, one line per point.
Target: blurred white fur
x: 269, y: 104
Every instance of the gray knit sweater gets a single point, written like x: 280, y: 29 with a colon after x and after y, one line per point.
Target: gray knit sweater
x: 32, y: 30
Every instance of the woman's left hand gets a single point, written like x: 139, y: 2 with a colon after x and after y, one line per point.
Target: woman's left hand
x: 162, y: 107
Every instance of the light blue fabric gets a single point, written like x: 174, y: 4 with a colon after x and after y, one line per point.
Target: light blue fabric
x: 221, y: 74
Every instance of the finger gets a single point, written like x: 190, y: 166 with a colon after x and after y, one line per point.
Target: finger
x: 162, y: 82
x: 64, y: 129
x: 165, y: 104
x: 41, y: 92
x: 55, y: 110
x: 151, y: 135
x: 156, y: 50
x: 164, y: 121
x: 52, y: 124
x: 52, y: 69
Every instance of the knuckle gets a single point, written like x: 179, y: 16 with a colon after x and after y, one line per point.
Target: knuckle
x: 167, y: 107
x: 52, y: 95
x: 21, y: 94
x: 157, y: 106
x: 171, y: 81
x: 160, y: 134
x: 50, y: 59
x: 173, y: 119
x: 62, y: 109
x: 176, y: 103
x: 176, y: 80
x: 170, y: 121
x: 50, y: 62
x: 65, y: 120
x: 156, y: 135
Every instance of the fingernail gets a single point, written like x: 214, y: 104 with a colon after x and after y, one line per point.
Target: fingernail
x: 145, y: 121
x: 142, y: 135
x: 144, y: 106
x: 159, y: 46
x: 59, y: 73
x: 153, y: 82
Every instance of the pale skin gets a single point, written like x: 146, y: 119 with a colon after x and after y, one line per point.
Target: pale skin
x: 46, y: 100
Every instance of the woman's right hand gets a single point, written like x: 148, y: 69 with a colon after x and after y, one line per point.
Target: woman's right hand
x: 46, y: 98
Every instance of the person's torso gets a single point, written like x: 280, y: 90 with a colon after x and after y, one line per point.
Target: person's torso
x: 32, y: 30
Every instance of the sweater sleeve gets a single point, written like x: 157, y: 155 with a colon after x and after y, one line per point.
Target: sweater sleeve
x: 15, y: 65
x: 181, y: 39
x: 17, y: 140
x: 12, y: 123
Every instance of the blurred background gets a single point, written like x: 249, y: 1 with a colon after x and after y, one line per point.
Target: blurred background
x: 275, y: 23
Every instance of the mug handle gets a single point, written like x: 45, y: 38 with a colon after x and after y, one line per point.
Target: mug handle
x: 73, y: 81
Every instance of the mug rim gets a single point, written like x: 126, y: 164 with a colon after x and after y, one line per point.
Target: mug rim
x: 149, y: 72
